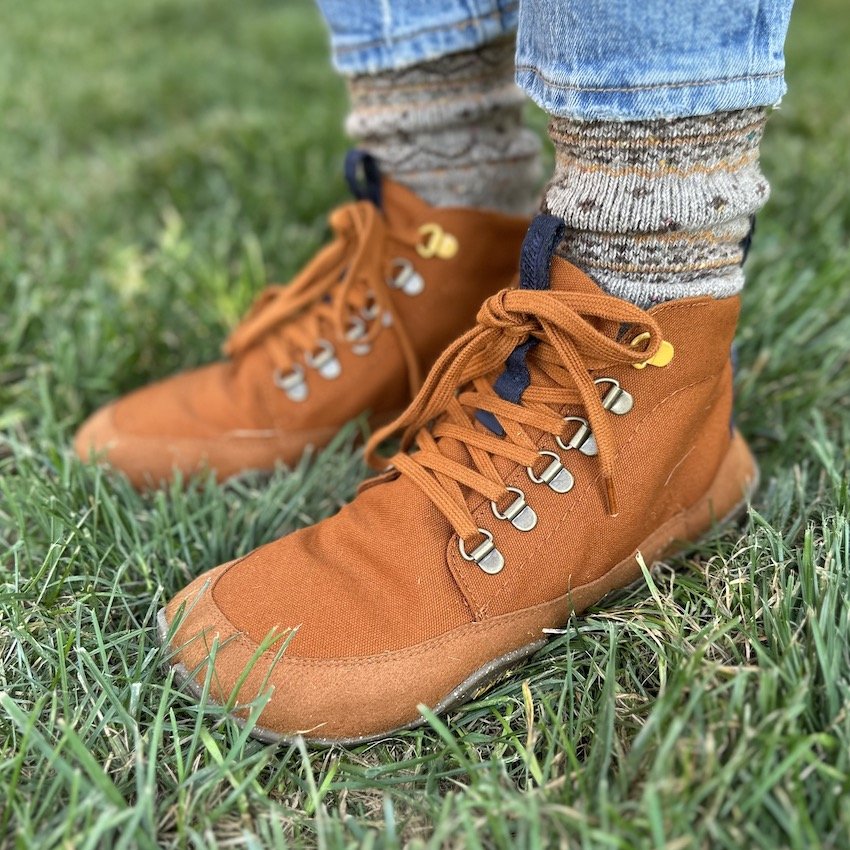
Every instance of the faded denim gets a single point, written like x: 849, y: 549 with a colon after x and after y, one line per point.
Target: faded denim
x: 586, y: 59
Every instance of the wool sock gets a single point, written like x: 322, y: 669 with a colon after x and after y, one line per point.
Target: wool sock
x: 657, y: 210
x: 451, y: 129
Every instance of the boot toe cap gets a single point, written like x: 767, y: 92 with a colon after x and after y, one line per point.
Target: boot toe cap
x: 344, y: 700
x: 149, y: 437
x: 97, y: 434
x: 100, y: 439
x: 322, y: 700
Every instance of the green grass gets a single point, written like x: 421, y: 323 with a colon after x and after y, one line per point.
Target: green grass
x: 160, y: 160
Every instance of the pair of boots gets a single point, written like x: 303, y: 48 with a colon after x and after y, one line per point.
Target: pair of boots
x: 550, y: 433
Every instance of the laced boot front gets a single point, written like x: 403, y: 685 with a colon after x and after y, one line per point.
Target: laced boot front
x: 565, y: 433
x: 353, y: 333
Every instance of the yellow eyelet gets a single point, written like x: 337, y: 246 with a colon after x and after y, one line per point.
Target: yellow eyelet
x: 662, y: 357
x: 436, y: 243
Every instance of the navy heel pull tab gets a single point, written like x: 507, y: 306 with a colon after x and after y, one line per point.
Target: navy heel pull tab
x: 363, y: 176
x: 733, y: 357
x: 535, y: 263
x: 747, y: 241
x: 544, y: 234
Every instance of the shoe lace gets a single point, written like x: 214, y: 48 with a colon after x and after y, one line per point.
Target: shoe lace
x: 569, y: 341
x: 344, y: 293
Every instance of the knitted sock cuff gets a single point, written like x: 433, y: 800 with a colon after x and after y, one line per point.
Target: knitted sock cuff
x: 657, y: 176
x: 659, y: 209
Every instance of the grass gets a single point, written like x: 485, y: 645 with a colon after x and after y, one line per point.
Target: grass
x: 158, y: 161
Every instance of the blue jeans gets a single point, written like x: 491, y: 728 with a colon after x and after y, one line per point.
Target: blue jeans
x: 587, y: 59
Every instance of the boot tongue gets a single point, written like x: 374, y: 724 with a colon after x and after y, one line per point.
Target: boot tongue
x: 535, y: 272
x: 538, y: 247
x: 540, y: 269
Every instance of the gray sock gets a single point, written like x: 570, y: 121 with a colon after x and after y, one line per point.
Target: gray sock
x: 451, y: 129
x: 657, y: 210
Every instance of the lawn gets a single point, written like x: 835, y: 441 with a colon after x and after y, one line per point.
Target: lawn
x: 159, y: 161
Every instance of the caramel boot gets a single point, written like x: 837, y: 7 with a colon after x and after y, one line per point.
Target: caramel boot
x: 354, y: 332
x: 564, y: 435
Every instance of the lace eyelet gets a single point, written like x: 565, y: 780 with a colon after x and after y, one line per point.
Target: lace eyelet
x: 324, y: 360
x: 555, y: 475
x: 436, y: 243
x: 617, y: 400
x: 406, y: 278
x: 519, y: 513
x: 663, y: 357
x: 485, y: 555
x: 583, y: 439
x: 293, y: 383
x: 356, y: 331
x: 371, y: 309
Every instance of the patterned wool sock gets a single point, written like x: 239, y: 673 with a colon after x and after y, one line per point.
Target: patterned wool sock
x: 657, y: 210
x: 451, y: 129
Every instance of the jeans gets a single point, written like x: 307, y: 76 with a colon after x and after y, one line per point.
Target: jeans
x: 586, y: 59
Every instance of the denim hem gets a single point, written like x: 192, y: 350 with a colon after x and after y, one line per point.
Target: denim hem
x: 652, y: 101
x: 467, y: 32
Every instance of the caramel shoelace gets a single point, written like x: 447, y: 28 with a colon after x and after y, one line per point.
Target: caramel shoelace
x: 570, y: 330
x: 344, y: 287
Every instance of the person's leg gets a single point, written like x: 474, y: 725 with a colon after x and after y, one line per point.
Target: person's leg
x: 657, y: 113
x: 434, y: 100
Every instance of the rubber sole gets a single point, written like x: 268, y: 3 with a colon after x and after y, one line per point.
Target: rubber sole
x: 662, y: 543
